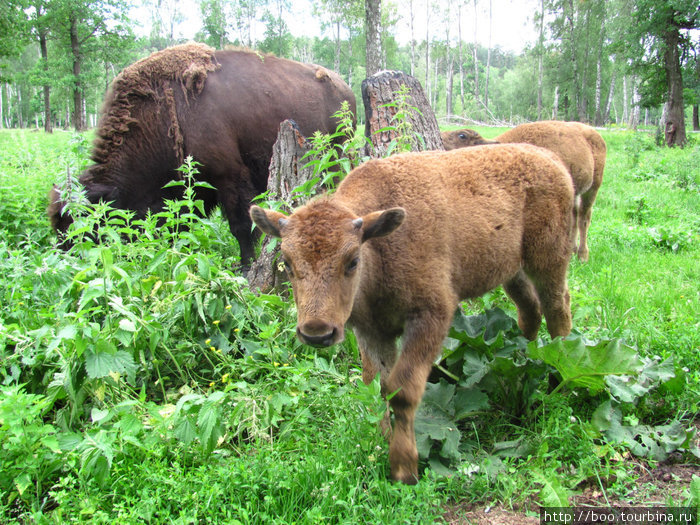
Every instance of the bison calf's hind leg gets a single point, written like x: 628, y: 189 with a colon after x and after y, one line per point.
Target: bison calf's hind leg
x: 521, y: 290
x: 555, y: 300
x: 584, y: 221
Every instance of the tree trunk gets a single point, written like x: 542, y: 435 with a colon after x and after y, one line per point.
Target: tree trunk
x: 674, y: 126
x: 555, y: 104
x: 20, y: 117
x: 427, y: 47
x: 336, y: 65
x: 413, y: 39
x: 599, y: 74
x: 78, y: 121
x: 611, y: 93
x: 634, y: 110
x: 287, y: 171
x: 625, y: 104
x: 373, y: 21
x: 379, y: 98
x: 448, y: 85
x: 571, y: 29
x: 476, y: 59
x: 460, y: 58
x: 436, y: 94
x: 540, y: 63
x: 48, y: 128
x: 488, y: 57
x: 449, y: 67
x: 696, y: 119
x: 2, y: 107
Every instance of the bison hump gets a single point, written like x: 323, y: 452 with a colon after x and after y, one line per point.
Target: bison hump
x: 150, y: 79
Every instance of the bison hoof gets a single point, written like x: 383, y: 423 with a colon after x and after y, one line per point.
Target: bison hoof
x: 405, y: 477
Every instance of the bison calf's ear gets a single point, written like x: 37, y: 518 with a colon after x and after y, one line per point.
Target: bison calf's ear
x: 381, y: 223
x: 271, y: 222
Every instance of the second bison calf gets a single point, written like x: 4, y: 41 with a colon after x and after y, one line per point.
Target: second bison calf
x: 580, y: 148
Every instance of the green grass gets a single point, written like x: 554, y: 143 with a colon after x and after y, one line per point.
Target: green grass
x: 155, y: 387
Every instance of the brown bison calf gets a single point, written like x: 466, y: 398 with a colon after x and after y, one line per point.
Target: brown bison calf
x: 579, y: 146
x: 404, y: 239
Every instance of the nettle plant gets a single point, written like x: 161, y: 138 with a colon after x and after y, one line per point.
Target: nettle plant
x: 401, y: 124
x: 119, y: 330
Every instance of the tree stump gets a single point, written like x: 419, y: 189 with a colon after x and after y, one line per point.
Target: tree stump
x: 379, y: 95
x: 286, y: 172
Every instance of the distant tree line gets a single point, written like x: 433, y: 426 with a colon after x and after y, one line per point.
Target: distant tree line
x: 621, y: 62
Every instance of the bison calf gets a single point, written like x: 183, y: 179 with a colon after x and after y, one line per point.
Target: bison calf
x: 404, y: 239
x: 581, y: 149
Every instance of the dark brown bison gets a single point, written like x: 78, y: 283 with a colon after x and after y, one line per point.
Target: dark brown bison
x: 579, y: 146
x: 404, y: 239
x: 223, y: 108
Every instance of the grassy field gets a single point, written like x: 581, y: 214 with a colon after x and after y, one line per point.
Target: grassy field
x: 143, y: 382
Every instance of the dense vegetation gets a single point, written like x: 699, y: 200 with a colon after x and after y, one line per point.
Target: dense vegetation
x: 143, y: 381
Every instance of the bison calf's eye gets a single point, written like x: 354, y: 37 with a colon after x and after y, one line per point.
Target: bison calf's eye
x: 352, y: 266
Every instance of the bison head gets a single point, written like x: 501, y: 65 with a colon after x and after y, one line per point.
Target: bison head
x: 322, y: 251
x: 58, y: 212
x: 461, y: 138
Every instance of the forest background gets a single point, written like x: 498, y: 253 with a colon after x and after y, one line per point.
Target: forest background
x: 622, y: 62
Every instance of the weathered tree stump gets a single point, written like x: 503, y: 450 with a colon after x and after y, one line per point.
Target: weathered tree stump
x: 379, y: 97
x: 286, y: 172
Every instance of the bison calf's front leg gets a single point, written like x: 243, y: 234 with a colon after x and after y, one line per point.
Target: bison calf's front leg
x: 405, y: 386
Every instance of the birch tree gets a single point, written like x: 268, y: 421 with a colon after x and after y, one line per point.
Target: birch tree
x: 373, y: 20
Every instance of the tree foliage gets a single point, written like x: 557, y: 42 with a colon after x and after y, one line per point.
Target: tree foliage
x: 586, y: 64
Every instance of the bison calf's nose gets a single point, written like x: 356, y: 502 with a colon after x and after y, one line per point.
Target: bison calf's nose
x: 317, y: 333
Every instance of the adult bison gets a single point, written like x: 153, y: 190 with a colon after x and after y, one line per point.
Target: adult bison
x: 221, y: 107
x: 404, y: 239
x: 579, y: 146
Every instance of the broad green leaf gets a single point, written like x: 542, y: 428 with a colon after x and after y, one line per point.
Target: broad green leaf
x: 695, y: 491
x: 552, y: 494
x: 474, y: 368
x: 629, y: 388
x: 439, y: 394
x: 185, y: 428
x: 586, y: 366
x: 127, y: 325
x: 69, y: 441
x: 518, y: 448
x: 23, y: 482
x: 51, y: 442
x: 434, y: 421
x: 207, y: 421
x: 642, y: 440
x: 103, y: 362
x: 98, y: 415
x: 467, y: 401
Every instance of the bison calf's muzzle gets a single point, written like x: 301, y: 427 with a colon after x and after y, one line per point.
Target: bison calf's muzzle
x: 319, y: 334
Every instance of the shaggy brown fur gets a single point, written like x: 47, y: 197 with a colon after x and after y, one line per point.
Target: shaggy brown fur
x: 223, y: 108
x: 404, y: 239
x: 188, y: 63
x: 579, y: 146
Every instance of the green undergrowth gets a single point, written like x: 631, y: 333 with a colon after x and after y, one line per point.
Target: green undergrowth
x: 143, y: 382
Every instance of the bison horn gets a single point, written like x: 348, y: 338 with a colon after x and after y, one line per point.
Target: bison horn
x: 357, y: 223
x: 283, y: 222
